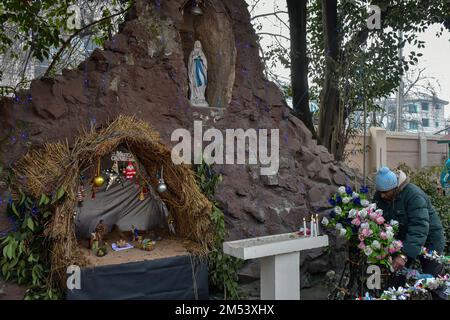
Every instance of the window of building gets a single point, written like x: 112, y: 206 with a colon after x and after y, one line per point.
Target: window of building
x: 425, y: 122
x: 437, y: 124
x: 413, y: 125
x: 412, y: 108
x: 438, y: 107
x: 425, y: 106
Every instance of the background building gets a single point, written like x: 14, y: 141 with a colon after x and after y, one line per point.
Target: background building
x: 423, y: 114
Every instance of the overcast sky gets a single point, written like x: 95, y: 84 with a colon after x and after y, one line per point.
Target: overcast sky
x: 436, y: 54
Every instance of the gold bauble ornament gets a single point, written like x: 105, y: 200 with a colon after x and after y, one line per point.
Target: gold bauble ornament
x: 99, y: 181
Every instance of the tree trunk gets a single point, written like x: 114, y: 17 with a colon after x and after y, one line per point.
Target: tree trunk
x: 299, y: 62
x: 331, y: 115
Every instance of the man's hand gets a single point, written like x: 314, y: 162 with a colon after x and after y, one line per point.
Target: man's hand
x: 399, y: 263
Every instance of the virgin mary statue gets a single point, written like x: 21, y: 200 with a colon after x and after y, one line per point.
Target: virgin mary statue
x: 198, y: 76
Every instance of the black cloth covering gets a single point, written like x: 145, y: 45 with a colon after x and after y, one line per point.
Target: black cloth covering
x: 175, y: 278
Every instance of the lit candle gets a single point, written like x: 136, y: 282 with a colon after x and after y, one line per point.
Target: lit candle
x: 304, y: 227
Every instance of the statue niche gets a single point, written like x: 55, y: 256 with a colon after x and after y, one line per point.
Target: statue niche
x: 213, y: 30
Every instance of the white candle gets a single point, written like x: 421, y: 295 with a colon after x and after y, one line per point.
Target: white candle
x: 317, y: 225
x: 304, y: 227
x: 312, y: 226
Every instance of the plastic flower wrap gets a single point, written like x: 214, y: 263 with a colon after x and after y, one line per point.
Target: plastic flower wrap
x: 418, y: 288
x: 364, y: 225
x: 433, y: 255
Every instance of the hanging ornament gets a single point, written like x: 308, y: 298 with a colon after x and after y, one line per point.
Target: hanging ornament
x: 142, y: 195
x: 162, y: 187
x: 129, y: 171
x: 112, y: 177
x: 80, y: 195
x: 98, y: 180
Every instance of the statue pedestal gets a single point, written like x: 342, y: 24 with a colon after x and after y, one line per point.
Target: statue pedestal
x: 280, y: 261
x: 203, y: 104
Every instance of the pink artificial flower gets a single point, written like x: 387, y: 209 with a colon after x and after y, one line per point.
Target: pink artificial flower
x: 373, y: 216
x: 366, y: 233
x: 383, y: 235
x: 398, y: 244
x: 356, y: 222
x: 361, y: 237
x: 379, y: 220
x: 361, y: 245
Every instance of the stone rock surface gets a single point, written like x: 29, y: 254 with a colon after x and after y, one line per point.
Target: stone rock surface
x: 142, y: 72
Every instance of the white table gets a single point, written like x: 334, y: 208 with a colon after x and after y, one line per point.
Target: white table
x: 280, y: 261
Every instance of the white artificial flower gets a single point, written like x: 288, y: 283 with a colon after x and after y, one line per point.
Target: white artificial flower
x: 352, y: 213
x: 379, y: 211
x: 393, y: 223
x: 338, y: 226
x: 341, y: 190
x: 390, y: 235
x: 365, y: 203
x: 355, y: 195
x: 342, y: 232
x: 432, y: 283
x: 373, y: 206
x: 389, y: 229
x: 363, y: 213
x: 364, y: 225
x: 376, y: 245
x: 368, y: 251
x: 346, y: 200
x: 325, y: 221
x: 338, y: 210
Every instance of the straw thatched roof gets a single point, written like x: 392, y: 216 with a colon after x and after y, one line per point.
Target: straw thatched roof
x: 55, y: 165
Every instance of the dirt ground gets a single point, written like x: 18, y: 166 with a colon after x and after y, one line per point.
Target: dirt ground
x: 11, y: 291
x: 164, y: 248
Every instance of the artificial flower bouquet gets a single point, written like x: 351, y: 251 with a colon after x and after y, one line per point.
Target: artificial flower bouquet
x: 355, y: 218
x: 421, y: 289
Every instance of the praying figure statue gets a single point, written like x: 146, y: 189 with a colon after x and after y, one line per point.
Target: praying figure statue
x: 198, y: 76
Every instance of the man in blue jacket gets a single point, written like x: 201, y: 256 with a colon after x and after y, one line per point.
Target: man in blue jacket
x: 419, y: 223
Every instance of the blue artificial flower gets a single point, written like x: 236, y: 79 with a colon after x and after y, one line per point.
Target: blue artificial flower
x: 332, y: 214
x: 338, y: 199
x: 357, y: 201
x: 354, y: 228
x: 332, y: 202
x: 364, y: 189
x: 348, y: 190
x: 34, y: 211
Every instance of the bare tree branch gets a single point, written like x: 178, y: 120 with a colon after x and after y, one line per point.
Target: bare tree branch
x: 273, y: 35
x: 275, y: 13
x: 57, y: 56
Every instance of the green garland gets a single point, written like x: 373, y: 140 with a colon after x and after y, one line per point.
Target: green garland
x: 25, y: 257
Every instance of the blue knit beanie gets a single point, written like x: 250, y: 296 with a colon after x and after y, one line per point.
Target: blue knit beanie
x: 386, y: 180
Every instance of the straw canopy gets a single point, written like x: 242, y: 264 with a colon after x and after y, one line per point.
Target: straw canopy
x: 58, y: 165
